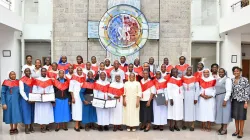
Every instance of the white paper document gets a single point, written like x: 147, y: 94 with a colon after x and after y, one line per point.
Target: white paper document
x: 33, y: 97
x: 48, y: 97
x: 98, y: 103
x: 110, y: 103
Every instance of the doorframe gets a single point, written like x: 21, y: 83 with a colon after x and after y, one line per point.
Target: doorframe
x: 249, y: 66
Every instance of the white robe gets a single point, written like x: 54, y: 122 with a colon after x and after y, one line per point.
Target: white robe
x: 75, y: 87
x: 43, y: 111
x: 206, y: 110
x: 175, y: 92
x: 160, y: 112
x: 102, y: 113
x: 116, y: 113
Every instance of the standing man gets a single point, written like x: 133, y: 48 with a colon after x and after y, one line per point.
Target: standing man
x: 182, y: 67
x: 28, y: 64
x: 214, y: 70
x: 117, y: 71
x: 94, y: 65
x: 124, y: 65
x: 152, y: 66
x: 44, y: 114
x: 168, y: 66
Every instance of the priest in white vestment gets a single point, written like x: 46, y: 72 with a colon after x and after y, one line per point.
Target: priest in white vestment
x: 101, y: 92
x: 44, y: 114
x: 116, y: 90
x: 75, y: 88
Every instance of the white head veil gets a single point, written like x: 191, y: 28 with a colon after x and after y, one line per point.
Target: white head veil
x: 210, y: 78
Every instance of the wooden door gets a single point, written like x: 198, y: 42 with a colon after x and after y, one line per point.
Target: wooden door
x: 245, y: 68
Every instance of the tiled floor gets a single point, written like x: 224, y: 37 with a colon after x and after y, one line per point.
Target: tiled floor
x: 139, y: 135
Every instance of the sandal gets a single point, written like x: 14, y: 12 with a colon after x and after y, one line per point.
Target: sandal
x: 31, y: 130
x: 43, y: 130
x: 12, y: 132
x: 27, y: 131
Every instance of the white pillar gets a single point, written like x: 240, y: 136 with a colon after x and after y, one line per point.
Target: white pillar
x: 22, y: 52
x: 231, y: 49
x: 218, y: 52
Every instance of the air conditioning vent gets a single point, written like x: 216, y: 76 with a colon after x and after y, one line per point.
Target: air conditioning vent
x: 35, y: 1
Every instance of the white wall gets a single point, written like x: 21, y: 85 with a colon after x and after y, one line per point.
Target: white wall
x: 8, y: 41
x: 206, y: 51
x: 37, y: 50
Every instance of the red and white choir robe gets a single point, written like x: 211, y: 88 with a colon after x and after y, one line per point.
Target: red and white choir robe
x: 124, y: 67
x: 169, y: 68
x: 108, y: 71
x: 117, y: 112
x: 182, y: 69
x: 52, y: 74
x: 68, y: 76
x: 198, y: 75
x: 206, y: 110
x: 94, y: 67
x: 101, y: 92
x: 138, y: 69
x: 75, y: 66
x: 63, y: 66
x: 191, y: 93
x: 175, y: 92
x: 160, y: 112
x: 48, y: 68
x: 75, y: 87
x: 44, y: 113
x: 128, y: 73
x: 147, y: 87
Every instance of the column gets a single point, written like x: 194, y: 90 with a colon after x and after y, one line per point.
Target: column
x: 22, y: 52
x: 218, y: 52
x: 231, y: 52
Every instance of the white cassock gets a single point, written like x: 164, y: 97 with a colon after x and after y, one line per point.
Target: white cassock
x: 75, y: 87
x: 175, y: 92
x: 206, y: 110
x: 102, y: 113
x: 116, y: 113
x: 160, y: 112
x: 191, y: 93
x: 44, y: 113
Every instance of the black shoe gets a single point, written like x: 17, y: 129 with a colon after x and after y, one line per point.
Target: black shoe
x: 161, y: 129
x: 65, y: 129
x: 16, y: 131
x: 115, y: 129
x: 43, y: 130
x: 57, y: 129
x: 100, y: 128
x: 77, y: 130
x: 239, y: 137
x: 120, y: 129
x: 47, y: 128
x: 184, y: 127
x: 81, y: 127
x: 31, y: 130
x: 171, y: 129
x: 106, y: 128
x: 146, y: 130
x: 176, y: 128
x: 191, y: 129
x: 27, y: 131
x: 142, y: 128
x: 235, y: 134
x: 156, y: 128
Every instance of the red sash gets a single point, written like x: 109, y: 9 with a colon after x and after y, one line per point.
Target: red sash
x: 176, y: 82
x: 160, y: 85
x: 108, y: 71
x: 151, y: 74
x: 138, y: 69
x: 75, y: 66
x: 51, y: 74
x: 63, y: 66
x: 198, y: 75
x: 68, y: 77
x: 101, y: 87
x: 11, y: 84
x: 167, y: 77
x: 94, y: 68
x: 189, y: 81
x: 115, y: 91
x: 43, y: 84
x: 206, y: 85
x: 124, y: 68
x: 27, y: 81
x: 182, y: 67
x: 147, y: 85
x: 78, y: 79
x: 61, y: 86
x: 88, y: 85
x: 49, y: 68
x: 169, y: 68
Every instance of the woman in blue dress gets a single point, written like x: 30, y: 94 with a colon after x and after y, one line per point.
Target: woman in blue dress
x: 11, y: 102
x: 89, y: 116
x: 62, y: 113
x: 63, y: 64
x: 25, y: 86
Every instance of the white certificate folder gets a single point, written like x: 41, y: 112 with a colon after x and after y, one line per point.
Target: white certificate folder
x: 100, y: 103
x: 36, y: 97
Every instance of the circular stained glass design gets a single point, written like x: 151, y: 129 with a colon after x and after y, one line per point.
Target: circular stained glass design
x: 123, y: 30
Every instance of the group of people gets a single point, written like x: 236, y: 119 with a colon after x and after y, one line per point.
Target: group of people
x: 206, y: 96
